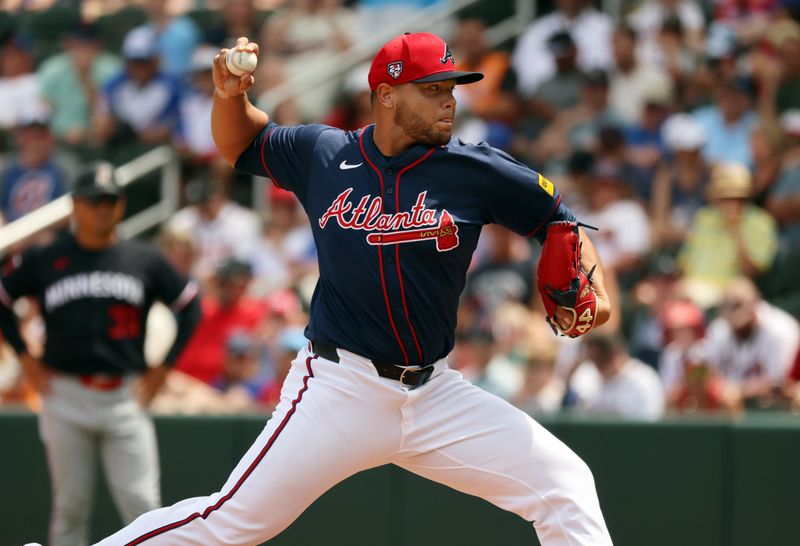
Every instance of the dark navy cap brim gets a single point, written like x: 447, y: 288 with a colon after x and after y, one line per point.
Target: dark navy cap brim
x: 460, y: 77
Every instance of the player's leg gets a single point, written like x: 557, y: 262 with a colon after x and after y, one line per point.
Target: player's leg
x: 71, y: 450
x: 479, y: 444
x: 130, y: 459
x: 324, y: 429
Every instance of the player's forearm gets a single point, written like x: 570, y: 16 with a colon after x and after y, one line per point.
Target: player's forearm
x: 590, y: 259
x: 235, y: 122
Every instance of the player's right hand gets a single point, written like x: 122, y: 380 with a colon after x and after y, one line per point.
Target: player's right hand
x: 36, y: 373
x: 228, y: 85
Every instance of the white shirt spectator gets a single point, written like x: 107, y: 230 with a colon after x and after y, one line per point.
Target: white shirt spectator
x: 635, y: 392
x: 769, y: 352
x: 671, y: 364
x: 16, y: 94
x: 629, y: 93
x: 234, y: 233
x: 195, y: 124
x: 649, y: 16
x: 533, y: 62
x: 624, y: 231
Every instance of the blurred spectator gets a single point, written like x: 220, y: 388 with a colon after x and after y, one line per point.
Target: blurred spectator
x: 506, y: 276
x: 290, y: 341
x: 220, y: 228
x: 649, y: 17
x: 728, y: 238
x: 671, y: 51
x: 176, y: 37
x: 679, y: 186
x: 752, y: 343
x: 140, y: 103
x: 286, y: 252
x: 353, y: 109
x: 612, y: 383
x: 577, y: 128
x: 623, y: 238
x: 611, y: 148
x: 542, y: 391
x: 302, y: 37
x: 646, y: 147
x: 72, y: 81
x: 560, y: 91
x: 690, y: 381
x: 19, y: 85
x: 239, y: 18
x: 590, y: 29
x: 728, y: 123
x: 226, y: 310
x: 178, y: 247
x: 784, y: 200
x: 193, y: 135
x: 474, y: 358
x: 492, y: 99
x: 34, y: 175
x: 241, y: 379
x: 748, y: 19
x: 634, y: 82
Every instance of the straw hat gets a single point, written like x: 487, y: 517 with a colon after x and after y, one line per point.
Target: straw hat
x: 730, y: 181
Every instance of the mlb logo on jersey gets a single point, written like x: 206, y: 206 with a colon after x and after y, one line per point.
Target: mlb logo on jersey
x: 395, y: 69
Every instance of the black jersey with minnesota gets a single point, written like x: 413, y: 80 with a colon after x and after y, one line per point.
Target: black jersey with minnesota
x: 95, y: 303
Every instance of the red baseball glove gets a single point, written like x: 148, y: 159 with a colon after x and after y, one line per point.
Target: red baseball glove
x: 563, y: 283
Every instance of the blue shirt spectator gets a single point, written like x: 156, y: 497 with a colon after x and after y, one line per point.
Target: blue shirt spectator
x: 32, y: 177
x: 728, y: 124
x: 141, y: 98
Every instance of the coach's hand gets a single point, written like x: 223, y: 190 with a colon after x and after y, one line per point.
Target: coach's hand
x: 226, y: 84
x: 36, y: 373
x: 150, y: 384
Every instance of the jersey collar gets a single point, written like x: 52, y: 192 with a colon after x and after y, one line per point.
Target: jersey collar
x: 397, y: 162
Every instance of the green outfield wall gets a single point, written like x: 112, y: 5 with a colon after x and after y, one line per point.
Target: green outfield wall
x: 676, y: 483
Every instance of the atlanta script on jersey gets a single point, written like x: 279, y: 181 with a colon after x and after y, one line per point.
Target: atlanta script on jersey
x: 395, y: 235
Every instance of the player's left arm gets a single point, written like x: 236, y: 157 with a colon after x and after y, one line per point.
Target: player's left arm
x: 182, y: 297
x: 529, y: 204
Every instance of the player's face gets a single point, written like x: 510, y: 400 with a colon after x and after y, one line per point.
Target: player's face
x: 425, y: 111
x: 98, y: 215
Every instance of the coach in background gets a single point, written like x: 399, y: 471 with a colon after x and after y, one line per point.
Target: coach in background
x: 94, y: 291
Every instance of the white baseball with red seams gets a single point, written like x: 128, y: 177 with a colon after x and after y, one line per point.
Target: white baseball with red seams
x: 240, y: 63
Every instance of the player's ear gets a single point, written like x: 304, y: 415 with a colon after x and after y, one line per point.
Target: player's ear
x: 386, y: 95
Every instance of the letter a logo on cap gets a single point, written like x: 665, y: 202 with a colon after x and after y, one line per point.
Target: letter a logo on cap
x: 447, y: 55
x: 395, y: 69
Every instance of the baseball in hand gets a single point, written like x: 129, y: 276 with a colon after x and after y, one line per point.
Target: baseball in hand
x: 239, y: 63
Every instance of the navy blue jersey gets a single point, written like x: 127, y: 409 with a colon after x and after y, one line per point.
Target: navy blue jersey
x: 95, y: 303
x: 395, y: 236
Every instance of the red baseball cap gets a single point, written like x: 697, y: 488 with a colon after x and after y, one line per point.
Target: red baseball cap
x: 419, y: 58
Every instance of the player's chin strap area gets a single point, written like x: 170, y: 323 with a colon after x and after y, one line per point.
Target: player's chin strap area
x: 410, y: 377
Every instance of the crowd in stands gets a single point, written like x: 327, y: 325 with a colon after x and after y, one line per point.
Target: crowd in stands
x: 673, y: 128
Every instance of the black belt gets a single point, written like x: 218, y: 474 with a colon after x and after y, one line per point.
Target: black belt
x: 410, y: 377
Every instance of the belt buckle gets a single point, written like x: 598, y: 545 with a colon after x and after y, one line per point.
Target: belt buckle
x: 426, y: 372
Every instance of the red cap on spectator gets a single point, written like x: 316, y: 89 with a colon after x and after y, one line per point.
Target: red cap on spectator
x: 420, y: 58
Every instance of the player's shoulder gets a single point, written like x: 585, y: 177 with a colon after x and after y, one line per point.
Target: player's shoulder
x: 482, y: 155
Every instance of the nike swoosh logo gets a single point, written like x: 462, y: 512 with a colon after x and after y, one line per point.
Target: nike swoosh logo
x: 344, y: 166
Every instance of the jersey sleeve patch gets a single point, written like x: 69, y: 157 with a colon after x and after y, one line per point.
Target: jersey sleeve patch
x: 546, y: 185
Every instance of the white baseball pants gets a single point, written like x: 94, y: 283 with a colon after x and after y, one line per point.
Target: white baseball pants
x: 78, y: 423
x: 347, y: 416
